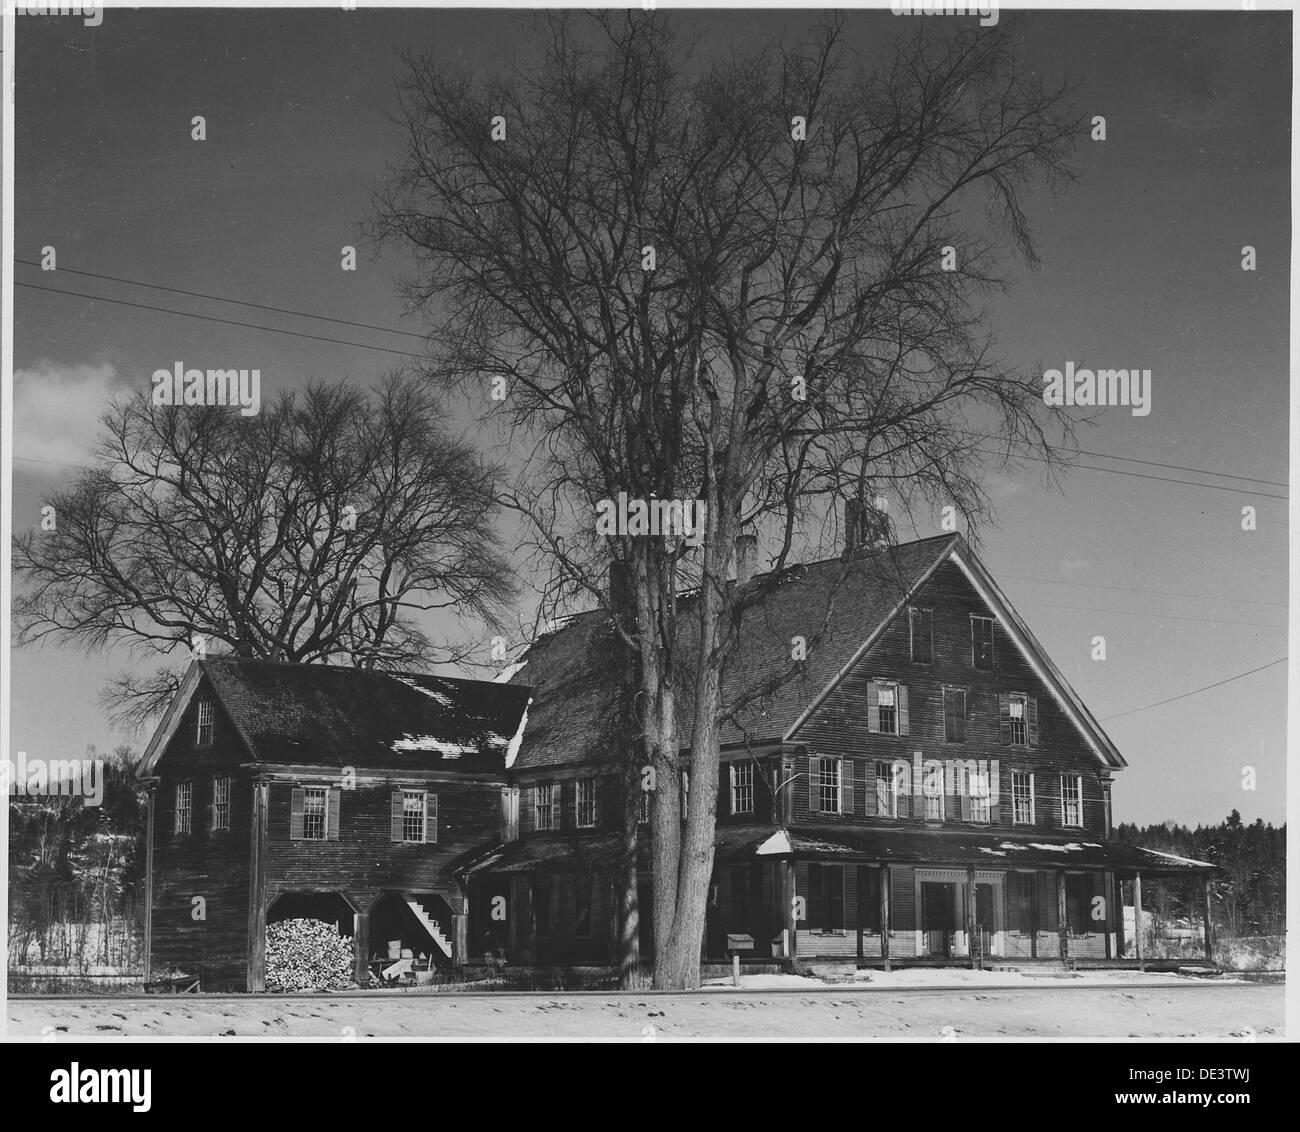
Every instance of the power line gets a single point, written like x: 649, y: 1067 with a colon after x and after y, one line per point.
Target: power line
x: 1183, y: 468
x: 1135, y: 590
x: 1197, y: 691
x: 214, y: 318
x: 1158, y: 616
x: 224, y: 299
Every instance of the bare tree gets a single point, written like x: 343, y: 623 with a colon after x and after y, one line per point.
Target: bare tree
x: 314, y: 532
x: 749, y: 281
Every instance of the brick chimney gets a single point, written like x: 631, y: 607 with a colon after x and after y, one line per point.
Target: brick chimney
x: 746, y: 553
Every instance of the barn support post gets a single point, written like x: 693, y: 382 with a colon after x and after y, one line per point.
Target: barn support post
x: 148, y: 880
x: 460, y: 950
x: 970, y: 917
x: 1137, y: 919
x: 1033, y: 915
x: 1205, y: 911
x: 885, y: 881
x: 257, y: 888
x: 1062, y: 924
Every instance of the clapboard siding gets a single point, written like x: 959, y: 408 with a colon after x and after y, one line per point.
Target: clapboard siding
x: 365, y: 861
x: 839, y: 728
x: 201, y: 879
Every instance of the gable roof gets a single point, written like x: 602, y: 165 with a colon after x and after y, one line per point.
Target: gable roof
x: 571, y: 670
x: 330, y: 716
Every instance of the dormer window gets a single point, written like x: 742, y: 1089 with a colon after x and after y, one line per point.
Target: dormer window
x: 206, y: 722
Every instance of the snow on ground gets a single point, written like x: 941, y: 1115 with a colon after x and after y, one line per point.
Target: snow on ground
x: 826, y: 1013
x: 956, y: 978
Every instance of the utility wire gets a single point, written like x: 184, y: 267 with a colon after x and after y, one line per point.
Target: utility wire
x: 1197, y: 691
x: 1135, y: 590
x: 214, y: 318
x: 224, y: 299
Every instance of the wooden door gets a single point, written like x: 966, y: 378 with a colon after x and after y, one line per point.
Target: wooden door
x: 937, y: 917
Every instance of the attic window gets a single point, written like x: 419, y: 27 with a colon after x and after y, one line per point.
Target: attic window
x: 206, y: 726
x: 921, y: 622
x: 981, y: 640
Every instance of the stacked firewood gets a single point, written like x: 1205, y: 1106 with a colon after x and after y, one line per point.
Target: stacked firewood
x: 307, y: 955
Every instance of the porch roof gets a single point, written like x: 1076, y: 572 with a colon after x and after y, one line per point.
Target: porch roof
x: 543, y: 854
x: 948, y: 847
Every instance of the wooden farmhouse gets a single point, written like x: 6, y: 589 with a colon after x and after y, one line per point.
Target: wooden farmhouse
x: 925, y: 788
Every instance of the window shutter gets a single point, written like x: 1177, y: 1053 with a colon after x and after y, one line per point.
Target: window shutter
x: 952, y: 792
x: 332, y: 820
x: 1031, y: 713
x: 835, y: 897
x: 816, y: 897
x: 814, y: 783
x: 1004, y: 717
x: 871, y: 776
x: 431, y: 818
x: 295, y: 813
x: 873, y: 707
x: 395, y: 817
x: 995, y: 793
x: 846, y: 786
x: 212, y: 805
x: 904, y: 773
x: 963, y: 777
x: 901, y: 696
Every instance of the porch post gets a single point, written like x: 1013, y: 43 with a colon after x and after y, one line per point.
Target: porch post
x: 1137, y: 919
x: 1033, y: 918
x: 257, y: 888
x: 970, y: 917
x: 885, y: 881
x: 148, y: 880
x: 787, y: 916
x: 460, y: 952
x: 1108, y: 890
x: 360, y: 947
x: 1205, y: 909
x: 1062, y: 926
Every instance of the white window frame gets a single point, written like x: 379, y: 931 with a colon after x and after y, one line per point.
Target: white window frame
x: 309, y: 795
x: 409, y: 812
x: 544, y: 809
x: 932, y: 776
x: 206, y: 721
x: 221, y: 803
x: 585, y: 786
x: 892, y: 685
x: 1015, y: 797
x: 742, y: 788
x: 183, y: 818
x: 1077, y: 780
x: 979, y: 789
x: 1022, y: 699
x: 833, y: 783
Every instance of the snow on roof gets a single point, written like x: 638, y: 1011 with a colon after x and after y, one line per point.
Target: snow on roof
x: 779, y: 842
x: 1175, y: 857
x: 505, y: 675
x: 433, y: 743
x: 440, y: 698
x: 516, y: 741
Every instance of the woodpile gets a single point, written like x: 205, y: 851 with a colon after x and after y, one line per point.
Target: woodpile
x: 307, y: 955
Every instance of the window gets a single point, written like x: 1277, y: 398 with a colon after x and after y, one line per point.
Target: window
x: 643, y: 808
x: 1022, y: 797
x: 184, y: 794
x: 921, y: 622
x: 932, y: 788
x: 981, y: 641
x: 1071, y: 799
x: 828, y: 786
x: 583, y: 887
x: 742, y: 788
x: 586, y: 803
x: 544, y: 805
x: 1019, y: 720
x: 413, y: 803
x: 891, y: 785
x: 542, y: 904
x: 206, y: 725
x: 888, y: 709
x: 977, y: 788
x: 315, y: 807
x: 825, y: 897
x: 220, y: 803
x: 954, y: 715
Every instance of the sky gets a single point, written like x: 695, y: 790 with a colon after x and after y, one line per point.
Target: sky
x: 1141, y: 267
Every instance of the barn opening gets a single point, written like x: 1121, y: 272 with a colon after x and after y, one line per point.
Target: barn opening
x: 331, y: 907
x: 412, y: 925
